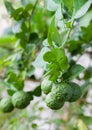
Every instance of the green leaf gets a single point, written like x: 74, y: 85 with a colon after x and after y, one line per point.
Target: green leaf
x: 10, y: 91
x: 37, y: 91
x: 87, y: 119
x: 86, y: 33
x: 56, y: 37
x: 24, y: 27
x: 57, y: 62
x: 88, y: 73
x: 83, y: 9
x: 53, y: 34
x: 38, y: 23
x: 49, y: 57
x: 77, y: 5
x: 53, y: 71
x: 9, y: 7
x: 39, y: 62
x: 75, y: 70
x: 54, y: 56
x: 75, y: 46
x: 86, y: 19
x: 7, y: 39
x: 7, y: 42
x: 16, y: 13
x: 69, y: 5
x: 15, y: 80
x: 63, y: 64
x: 28, y: 7
x: 4, y: 53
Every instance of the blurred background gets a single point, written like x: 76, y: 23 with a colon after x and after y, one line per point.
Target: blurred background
x: 37, y: 116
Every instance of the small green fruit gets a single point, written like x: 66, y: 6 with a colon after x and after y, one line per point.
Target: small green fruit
x: 76, y: 92
x: 21, y: 99
x: 62, y: 91
x: 53, y: 103
x: 46, y: 85
x: 6, y: 105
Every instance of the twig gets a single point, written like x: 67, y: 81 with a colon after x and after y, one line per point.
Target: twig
x: 29, y: 19
x: 33, y: 9
x: 68, y: 35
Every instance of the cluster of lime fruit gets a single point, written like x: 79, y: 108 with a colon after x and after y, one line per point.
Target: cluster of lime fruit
x: 59, y: 93
x: 20, y: 100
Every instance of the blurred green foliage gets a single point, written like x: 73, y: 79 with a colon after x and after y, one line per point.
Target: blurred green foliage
x: 41, y: 34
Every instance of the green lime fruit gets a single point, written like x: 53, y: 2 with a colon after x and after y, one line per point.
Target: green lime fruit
x: 62, y: 91
x: 21, y: 99
x: 46, y: 85
x: 52, y: 102
x: 76, y: 92
x: 6, y: 105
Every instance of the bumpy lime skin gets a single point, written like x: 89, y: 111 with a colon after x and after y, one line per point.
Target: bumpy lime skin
x: 21, y: 99
x: 53, y: 103
x: 46, y: 85
x: 6, y: 105
x: 76, y: 92
x: 62, y: 91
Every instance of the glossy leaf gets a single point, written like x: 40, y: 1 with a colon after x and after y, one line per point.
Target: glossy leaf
x: 77, y: 5
x: 83, y: 9
x: 57, y: 62
x: 54, y: 56
x: 86, y: 19
x: 75, y: 70
x: 53, y: 34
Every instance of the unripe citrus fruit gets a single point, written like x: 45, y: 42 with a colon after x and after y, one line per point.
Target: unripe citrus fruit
x: 21, y: 99
x: 53, y: 103
x: 46, y: 85
x: 76, y: 92
x: 6, y: 105
x: 62, y: 91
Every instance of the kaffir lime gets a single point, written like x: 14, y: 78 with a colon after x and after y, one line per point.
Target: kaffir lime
x: 6, y: 105
x: 76, y: 92
x: 62, y: 91
x: 53, y: 103
x: 21, y: 99
x: 46, y: 85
